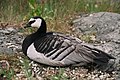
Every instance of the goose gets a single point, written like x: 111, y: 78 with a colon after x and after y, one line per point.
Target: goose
x: 58, y: 49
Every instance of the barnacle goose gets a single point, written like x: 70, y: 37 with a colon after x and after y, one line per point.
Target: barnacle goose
x: 57, y: 49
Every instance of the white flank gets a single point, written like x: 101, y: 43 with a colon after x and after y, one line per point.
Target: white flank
x: 39, y: 57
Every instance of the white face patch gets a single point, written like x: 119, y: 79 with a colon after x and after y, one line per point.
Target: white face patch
x: 37, y: 22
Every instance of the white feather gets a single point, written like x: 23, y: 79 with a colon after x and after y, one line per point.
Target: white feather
x: 39, y: 57
x: 37, y: 22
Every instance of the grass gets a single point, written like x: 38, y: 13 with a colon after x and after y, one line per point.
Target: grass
x: 57, y: 13
x: 20, y: 69
x: 17, y: 65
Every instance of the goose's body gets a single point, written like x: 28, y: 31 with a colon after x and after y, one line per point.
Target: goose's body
x: 56, y: 49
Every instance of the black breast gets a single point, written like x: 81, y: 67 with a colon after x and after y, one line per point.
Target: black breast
x: 26, y: 43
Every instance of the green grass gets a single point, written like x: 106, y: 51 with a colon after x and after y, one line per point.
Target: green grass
x: 8, y: 74
x: 57, y: 13
x: 12, y: 10
x: 21, y: 65
x: 15, y: 11
x: 17, y: 65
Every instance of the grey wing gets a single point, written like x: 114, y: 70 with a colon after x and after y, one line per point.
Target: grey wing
x: 68, y: 50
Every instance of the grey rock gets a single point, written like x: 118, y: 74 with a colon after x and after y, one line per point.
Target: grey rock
x: 4, y: 32
x: 10, y: 40
x: 10, y: 29
x: 105, y: 26
x: 6, y: 50
x: 97, y: 79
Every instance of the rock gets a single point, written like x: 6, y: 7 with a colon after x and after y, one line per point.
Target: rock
x: 10, y: 40
x: 4, y: 32
x: 10, y: 29
x: 105, y: 26
x: 5, y: 50
x: 97, y: 79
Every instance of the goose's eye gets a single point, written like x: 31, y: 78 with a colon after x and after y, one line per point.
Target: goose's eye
x: 31, y: 22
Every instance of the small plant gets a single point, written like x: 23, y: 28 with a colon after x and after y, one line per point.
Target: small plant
x: 7, y: 74
x: 37, y: 8
x: 26, y: 68
x: 5, y: 71
x: 59, y: 76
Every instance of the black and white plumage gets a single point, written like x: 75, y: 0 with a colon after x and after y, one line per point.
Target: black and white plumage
x: 57, y: 49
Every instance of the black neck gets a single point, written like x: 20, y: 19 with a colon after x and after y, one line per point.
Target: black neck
x: 32, y: 37
x: 40, y: 32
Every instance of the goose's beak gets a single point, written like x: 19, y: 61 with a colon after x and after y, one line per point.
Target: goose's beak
x: 27, y: 25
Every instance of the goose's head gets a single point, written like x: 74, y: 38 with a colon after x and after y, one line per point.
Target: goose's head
x: 38, y: 22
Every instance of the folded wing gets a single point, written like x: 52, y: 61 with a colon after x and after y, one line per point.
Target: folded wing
x: 68, y: 50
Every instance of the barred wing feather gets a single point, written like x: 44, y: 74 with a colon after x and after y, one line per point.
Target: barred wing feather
x: 68, y: 50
